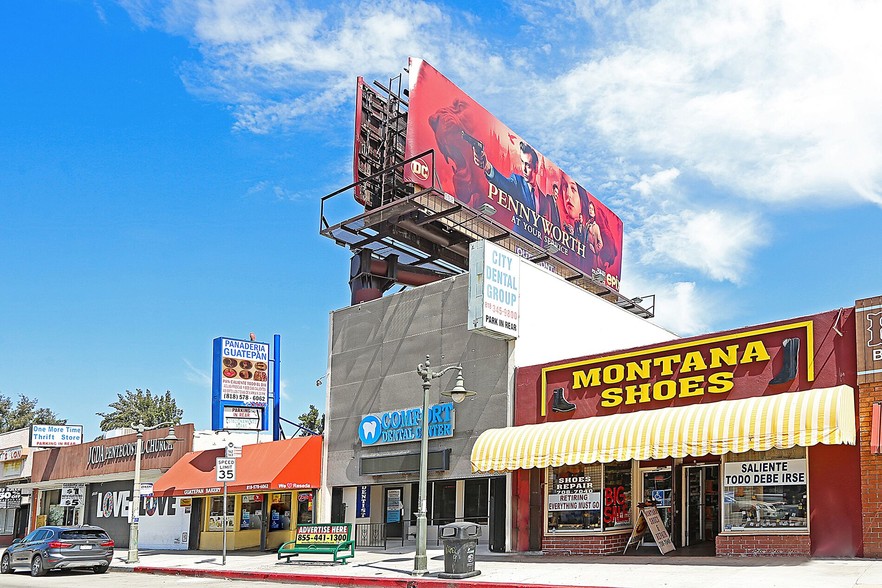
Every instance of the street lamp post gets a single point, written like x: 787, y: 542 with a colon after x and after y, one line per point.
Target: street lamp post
x: 134, y: 512
x: 457, y: 394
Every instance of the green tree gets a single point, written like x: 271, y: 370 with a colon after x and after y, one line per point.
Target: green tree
x: 24, y: 413
x: 153, y: 409
x: 312, y: 420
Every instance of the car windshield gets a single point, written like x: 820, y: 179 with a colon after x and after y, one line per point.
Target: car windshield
x: 84, y: 534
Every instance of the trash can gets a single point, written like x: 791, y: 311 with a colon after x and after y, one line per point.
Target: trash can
x: 460, y: 544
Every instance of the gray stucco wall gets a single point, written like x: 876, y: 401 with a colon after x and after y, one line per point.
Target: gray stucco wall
x: 375, y: 349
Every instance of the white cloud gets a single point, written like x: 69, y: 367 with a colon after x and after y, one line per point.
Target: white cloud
x: 197, y: 376
x: 682, y: 310
x: 772, y: 102
x: 278, y: 62
x: 776, y: 100
x: 715, y: 243
x: 683, y: 307
x: 267, y: 188
x: 658, y: 182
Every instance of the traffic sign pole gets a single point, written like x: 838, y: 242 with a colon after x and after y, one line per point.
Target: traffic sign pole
x: 224, y: 562
x: 225, y: 471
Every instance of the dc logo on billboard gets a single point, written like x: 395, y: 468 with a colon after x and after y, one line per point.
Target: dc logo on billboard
x: 874, y: 326
x: 420, y: 169
x: 369, y: 430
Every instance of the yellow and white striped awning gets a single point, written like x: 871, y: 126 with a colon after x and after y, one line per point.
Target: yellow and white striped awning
x: 825, y: 415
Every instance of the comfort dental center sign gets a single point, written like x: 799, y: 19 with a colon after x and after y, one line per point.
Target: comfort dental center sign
x: 679, y: 370
x: 399, y: 426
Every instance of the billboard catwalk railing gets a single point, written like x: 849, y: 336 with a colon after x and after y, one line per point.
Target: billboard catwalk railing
x: 431, y: 229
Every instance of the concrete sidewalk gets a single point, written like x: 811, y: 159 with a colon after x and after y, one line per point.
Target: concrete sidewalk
x: 392, y: 567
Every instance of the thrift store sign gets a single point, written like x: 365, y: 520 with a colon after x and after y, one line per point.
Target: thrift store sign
x: 783, y: 472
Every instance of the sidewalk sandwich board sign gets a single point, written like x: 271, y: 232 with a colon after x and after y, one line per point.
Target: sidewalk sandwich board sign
x: 649, y: 517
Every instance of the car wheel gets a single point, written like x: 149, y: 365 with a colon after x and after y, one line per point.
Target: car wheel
x: 5, y: 564
x: 37, y: 566
x: 100, y: 569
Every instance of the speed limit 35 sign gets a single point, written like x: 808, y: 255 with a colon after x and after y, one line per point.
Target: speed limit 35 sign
x: 226, y: 469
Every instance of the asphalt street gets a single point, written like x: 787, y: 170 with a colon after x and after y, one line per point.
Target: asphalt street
x: 115, y: 579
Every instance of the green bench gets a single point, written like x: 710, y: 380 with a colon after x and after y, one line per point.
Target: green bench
x: 334, y: 539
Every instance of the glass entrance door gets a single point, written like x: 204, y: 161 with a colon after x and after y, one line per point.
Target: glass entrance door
x: 701, y: 509
x: 393, y: 507
x: 658, y: 487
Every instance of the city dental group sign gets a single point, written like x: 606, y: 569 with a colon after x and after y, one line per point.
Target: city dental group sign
x: 494, y: 290
x: 239, y: 385
x: 399, y: 426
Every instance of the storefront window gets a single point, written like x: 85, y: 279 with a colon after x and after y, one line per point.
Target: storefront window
x: 280, y: 511
x: 575, y: 497
x: 444, y: 502
x: 477, y: 503
x: 216, y: 513
x: 589, y: 497
x: 252, y: 511
x: 304, y: 508
x: 56, y: 513
x: 13, y: 469
x: 617, y: 495
x: 766, y: 489
x: 414, y: 502
x: 7, y: 521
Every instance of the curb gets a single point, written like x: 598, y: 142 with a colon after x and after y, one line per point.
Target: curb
x: 333, y: 580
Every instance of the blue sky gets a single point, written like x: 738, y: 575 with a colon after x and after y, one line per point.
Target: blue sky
x: 163, y: 162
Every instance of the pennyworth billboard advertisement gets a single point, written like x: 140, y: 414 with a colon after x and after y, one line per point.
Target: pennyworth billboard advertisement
x: 480, y: 160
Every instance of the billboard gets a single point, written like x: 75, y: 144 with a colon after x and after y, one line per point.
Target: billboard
x: 479, y: 160
x: 240, y: 380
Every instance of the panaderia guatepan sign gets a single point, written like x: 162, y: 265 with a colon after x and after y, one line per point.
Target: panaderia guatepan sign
x: 679, y: 373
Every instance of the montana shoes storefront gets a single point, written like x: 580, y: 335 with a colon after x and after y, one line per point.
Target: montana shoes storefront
x: 744, y: 441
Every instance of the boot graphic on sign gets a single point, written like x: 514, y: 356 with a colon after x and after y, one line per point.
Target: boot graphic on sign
x: 559, y: 403
x: 791, y: 362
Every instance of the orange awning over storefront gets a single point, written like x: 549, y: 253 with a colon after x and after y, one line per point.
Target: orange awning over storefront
x: 264, y: 467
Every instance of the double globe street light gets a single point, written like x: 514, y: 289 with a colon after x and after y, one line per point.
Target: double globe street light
x: 135, y: 510
x: 457, y: 394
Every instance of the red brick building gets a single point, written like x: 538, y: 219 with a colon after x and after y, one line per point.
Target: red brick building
x: 754, y: 441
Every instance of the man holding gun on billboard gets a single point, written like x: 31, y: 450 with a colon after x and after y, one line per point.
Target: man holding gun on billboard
x: 523, y: 189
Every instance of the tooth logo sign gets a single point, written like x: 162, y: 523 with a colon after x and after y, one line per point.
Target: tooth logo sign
x: 369, y: 430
